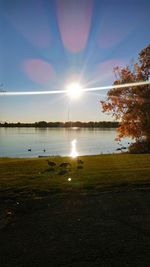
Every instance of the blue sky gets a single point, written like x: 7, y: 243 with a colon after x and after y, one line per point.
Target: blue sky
x: 47, y: 44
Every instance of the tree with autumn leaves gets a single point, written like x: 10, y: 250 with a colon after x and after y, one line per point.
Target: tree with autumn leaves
x: 131, y: 105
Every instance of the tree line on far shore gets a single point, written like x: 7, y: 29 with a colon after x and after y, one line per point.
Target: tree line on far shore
x: 44, y: 124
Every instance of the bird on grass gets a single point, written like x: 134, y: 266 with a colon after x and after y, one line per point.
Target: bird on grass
x: 51, y: 164
x: 65, y: 165
x: 80, y: 161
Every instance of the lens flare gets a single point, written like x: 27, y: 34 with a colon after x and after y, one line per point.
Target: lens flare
x: 109, y: 34
x: 31, y: 21
x: 2, y: 93
x: 74, y: 20
x: 39, y: 70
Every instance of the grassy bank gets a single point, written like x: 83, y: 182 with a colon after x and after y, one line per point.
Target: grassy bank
x: 34, y: 177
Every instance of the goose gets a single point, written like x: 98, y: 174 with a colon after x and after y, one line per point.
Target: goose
x: 51, y: 163
x: 64, y: 165
x: 79, y: 161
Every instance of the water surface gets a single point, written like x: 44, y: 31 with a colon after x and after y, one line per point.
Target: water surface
x: 15, y: 142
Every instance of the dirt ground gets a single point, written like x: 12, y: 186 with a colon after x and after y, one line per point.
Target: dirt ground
x: 106, y: 228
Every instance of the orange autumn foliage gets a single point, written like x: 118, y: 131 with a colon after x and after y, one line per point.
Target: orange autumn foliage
x: 131, y: 105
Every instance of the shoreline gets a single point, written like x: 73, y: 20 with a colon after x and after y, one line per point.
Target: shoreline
x: 62, y: 156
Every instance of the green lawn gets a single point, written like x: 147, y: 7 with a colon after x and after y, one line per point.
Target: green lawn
x: 33, y: 176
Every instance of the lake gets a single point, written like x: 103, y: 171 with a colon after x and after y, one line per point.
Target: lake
x: 15, y: 142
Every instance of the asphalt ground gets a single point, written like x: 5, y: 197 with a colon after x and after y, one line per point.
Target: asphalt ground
x: 98, y: 228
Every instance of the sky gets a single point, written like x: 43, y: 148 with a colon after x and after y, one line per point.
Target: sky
x: 47, y: 44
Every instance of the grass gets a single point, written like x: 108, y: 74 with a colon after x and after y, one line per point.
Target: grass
x: 41, y: 216
x: 32, y: 177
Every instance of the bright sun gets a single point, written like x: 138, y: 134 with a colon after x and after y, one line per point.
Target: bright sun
x: 74, y: 90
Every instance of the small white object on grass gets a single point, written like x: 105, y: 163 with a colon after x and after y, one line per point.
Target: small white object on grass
x: 69, y: 179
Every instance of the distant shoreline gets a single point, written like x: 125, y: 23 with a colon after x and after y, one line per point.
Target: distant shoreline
x: 69, y: 124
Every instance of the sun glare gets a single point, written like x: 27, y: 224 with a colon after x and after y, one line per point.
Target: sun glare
x: 74, y: 152
x: 74, y: 90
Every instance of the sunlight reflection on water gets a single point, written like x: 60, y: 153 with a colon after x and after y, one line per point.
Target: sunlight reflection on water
x: 74, y: 152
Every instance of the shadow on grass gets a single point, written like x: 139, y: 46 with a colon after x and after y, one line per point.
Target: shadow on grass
x: 49, y: 170
x: 79, y: 167
x: 62, y: 172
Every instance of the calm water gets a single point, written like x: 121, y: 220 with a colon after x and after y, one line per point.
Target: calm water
x: 15, y: 142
